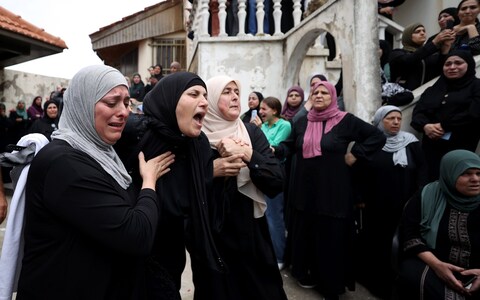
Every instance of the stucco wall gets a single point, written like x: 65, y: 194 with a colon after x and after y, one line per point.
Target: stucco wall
x: 15, y: 86
x: 257, y: 66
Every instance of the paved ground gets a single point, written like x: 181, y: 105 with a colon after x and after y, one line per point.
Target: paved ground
x: 294, y: 292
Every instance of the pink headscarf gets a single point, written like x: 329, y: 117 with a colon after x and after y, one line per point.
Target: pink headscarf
x: 332, y: 115
x: 288, y: 112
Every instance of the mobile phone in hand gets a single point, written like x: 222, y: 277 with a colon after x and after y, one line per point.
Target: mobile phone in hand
x: 465, y: 279
x: 449, y: 24
x: 254, y: 115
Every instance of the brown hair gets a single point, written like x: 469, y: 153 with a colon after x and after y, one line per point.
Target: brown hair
x: 274, y: 104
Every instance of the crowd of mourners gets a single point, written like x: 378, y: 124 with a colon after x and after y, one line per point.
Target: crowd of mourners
x: 115, y: 179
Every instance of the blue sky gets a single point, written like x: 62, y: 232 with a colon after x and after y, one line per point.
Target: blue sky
x: 73, y: 22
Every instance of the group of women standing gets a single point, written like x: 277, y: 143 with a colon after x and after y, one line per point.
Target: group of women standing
x: 201, y: 190
x: 201, y: 178
x: 37, y: 118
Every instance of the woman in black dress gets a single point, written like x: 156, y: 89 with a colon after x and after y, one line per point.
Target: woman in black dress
x: 441, y: 234
x: 322, y: 221
x: 245, y: 170
x: 395, y: 173
x: 49, y: 122
x: 175, y: 109
x: 86, y: 236
x: 448, y: 113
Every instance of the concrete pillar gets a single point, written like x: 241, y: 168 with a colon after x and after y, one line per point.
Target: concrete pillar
x: 367, y: 62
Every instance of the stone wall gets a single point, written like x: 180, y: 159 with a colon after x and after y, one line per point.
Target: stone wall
x: 16, y: 85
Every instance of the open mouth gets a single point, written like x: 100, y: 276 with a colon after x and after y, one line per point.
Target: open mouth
x: 199, y: 117
x: 118, y: 125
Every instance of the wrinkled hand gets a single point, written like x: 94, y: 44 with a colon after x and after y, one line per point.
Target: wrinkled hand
x: 228, y: 147
x: 350, y: 159
x: 228, y: 166
x: 434, y: 131
x: 154, y: 168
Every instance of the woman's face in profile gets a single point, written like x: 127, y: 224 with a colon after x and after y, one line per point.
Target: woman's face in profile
x: 191, y: 110
x: 468, y: 184
x: 419, y: 36
x: 253, y: 101
x: 442, y: 20
x: 111, y: 114
x: 455, y: 67
x: 229, y: 102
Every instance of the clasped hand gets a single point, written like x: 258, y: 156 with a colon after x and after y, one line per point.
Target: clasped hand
x: 446, y: 272
x: 434, y: 131
x: 234, y: 153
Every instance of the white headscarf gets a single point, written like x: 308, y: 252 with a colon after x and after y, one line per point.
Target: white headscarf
x: 77, y: 121
x: 395, y: 143
x: 216, y: 128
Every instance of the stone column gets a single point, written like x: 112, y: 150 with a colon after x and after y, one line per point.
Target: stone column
x: 241, y: 17
x: 277, y: 17
x: 260, y: 16
x: 222, y: 16
x: 367, y: 63
x: 204, y: 14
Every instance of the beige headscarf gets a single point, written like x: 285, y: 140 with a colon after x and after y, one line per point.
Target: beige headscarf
x: 216, y: 128
x: 407, y: 41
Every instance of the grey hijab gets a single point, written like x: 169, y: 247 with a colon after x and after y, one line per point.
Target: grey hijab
x: 395, y: 143
x: 77, y: 122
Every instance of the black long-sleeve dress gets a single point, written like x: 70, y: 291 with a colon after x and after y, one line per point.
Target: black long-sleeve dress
x: 455, y: 104
x: 384, y: 188
x: 85, y: 236
x: 458, y: 242
x: 243, y: 241
x: 412, y: 69
x: 45, y: 126
x: 323, y: 200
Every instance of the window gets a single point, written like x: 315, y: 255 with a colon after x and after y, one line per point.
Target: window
x: 169, y: 50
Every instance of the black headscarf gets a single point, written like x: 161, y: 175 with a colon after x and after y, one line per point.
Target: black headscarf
x: 452, y: 11
x: 455, y: 84
x: 45, y: 115
x: 163, y: 134
x: 248, y: 115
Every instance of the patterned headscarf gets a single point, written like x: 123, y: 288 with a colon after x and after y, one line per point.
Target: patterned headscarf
x: 77, y: 121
